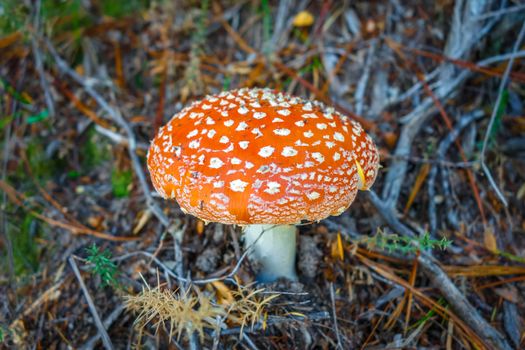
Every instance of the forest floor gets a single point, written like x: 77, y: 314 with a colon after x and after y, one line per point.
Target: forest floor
x: 433, y: 257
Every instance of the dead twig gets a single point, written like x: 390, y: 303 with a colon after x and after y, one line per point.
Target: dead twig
x: 458, y: 44
x: 113, y: 316
x: 98, y: 322
x: 363, y: 81
x: 461, y: 304
x: 114, y: 115
x: 20, y: 200
x: 415, y: 89
x: 488, y: 132
x: 275, y: 320
x: 500, y: 12
x: 456, y: 299
x: 442, y: 149
x: 118, y: 138
x: 249, y: 341
x: 334, y: 316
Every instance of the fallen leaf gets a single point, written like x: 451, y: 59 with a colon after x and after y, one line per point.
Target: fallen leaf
x: 337, y: 250
x: 489, y: 239
x: 224, y: 294
x: 144, y: 217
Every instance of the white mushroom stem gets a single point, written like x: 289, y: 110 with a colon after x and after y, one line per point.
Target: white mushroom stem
x: 273, y: 250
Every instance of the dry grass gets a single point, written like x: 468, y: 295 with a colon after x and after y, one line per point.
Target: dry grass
x: 188, y: 311
x: 249, y: 307
x: 174, y: 311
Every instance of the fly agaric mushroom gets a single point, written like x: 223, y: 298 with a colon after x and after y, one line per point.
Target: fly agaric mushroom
x: 264, y: 160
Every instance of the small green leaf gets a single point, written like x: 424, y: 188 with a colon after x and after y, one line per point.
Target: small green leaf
x: 428, y: 315
x: 73, y: 174
x: 38, y: 117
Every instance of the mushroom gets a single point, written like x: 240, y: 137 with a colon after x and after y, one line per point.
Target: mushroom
x: 264, y: 160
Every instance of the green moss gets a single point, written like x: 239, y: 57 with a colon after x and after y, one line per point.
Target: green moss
x: 120, y: 182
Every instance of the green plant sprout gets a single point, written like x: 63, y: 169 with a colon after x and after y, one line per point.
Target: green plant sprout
x: 429, y: 314
x: 394, y: 242
x: 103, y: 266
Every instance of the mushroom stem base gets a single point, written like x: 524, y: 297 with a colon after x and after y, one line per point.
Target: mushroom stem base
x: 274, y: 251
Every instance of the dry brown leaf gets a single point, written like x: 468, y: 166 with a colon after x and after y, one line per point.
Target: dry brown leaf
x: 144, y: 217
x: 336, y: 248
x: 224, y: 294
x: 489, y: 239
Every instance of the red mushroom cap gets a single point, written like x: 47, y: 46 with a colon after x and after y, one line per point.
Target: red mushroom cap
x: 257, y: 156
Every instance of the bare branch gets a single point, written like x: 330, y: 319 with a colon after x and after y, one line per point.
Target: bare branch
x: 334, y: 315
x: 98, y: 322
x: 456, y: 299
x: 502, y: 86
x: 114, y: 115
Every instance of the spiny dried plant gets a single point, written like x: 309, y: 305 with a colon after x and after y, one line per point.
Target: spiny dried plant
x: 174, y: 311
x: 248, y: 307
x: 178, y: 311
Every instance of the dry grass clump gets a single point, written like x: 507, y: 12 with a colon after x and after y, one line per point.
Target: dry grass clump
x: 178, y: 311
x: 248, y: 307
x: 174, y: 311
